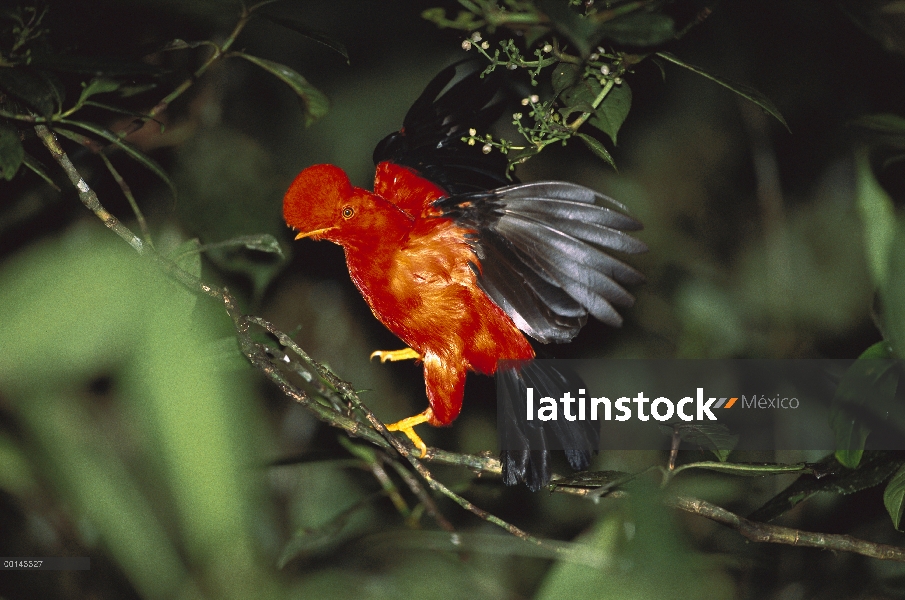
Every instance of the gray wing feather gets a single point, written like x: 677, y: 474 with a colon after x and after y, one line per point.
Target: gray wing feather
x: 543, y: 254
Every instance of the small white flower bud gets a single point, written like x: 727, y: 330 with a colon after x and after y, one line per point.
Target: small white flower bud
x: 594, y: 56
x: 547, y: 48
x: 605, y: 69
x: 516, y: 116
x: 466, y: 45
x: 525, y: 101
x: 534, y: 98
x: 471, y: 142
x: 600, y: 49
x: 618, y: 81
x: 487, y: 148
x: 472, y: 132
x: 476, y: 36
x: 512, y: 66
x: 485, y: 45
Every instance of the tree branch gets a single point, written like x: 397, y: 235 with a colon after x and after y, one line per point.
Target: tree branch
x: 777, y: 534
x: 766, y: 533
x: 86, y: 194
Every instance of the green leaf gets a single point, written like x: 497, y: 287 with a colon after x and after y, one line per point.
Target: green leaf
x: 128, y: 148
x: 582, y: 93
x: 742, y: 90
x: 583, y: 32
x: 582, y: 107
x: 263, y: 242
x: 32, y: 163
x: 312, y: 34
x: 868, y: 386
x: 178, y: 44
x: 894, y: 497
x: 533, y: 34
x: 464, y: 20
x: 11, y: 152
x: 892, y: 294
x: 487, y: 544
x: 885, y: 123
x: 98, y: 85
x: 594, y: 479
x: 187, y: 257
x: 123, y: 111
x: 829, y: 476
x: 133, y: 90
x: 634, y: 27
x: 563, y: 77
x: 18, y: 473
x: 78, y: 138
x: 612, y: 112
x: 597, y: 148
x: 878, y: 218
x: 316, y: 103
x: 880, y: 350
x: 639, y: 29
x: 715, y: 437
x: 191, y: 427
x: 312, y: 540
x: 229, y: 256
x: 749, y: 469
x: 31, y: 87
x: 851, y: 435
x: 57, y: 90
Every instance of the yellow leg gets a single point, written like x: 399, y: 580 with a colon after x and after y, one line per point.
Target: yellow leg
x: 406, y: 427
x: 394, y: 355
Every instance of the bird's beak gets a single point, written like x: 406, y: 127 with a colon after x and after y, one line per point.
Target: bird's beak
x: 313, y: 233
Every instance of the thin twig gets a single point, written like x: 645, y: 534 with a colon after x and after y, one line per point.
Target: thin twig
x: 699, y: 18
x: 371, y: 461
x: 127, y: 192
x: 86, y: 194
x: 412, y: 482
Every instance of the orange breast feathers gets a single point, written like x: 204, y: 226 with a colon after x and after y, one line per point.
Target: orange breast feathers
x: 425, y: 291
x: 414, y: 269
x: 427, y: 294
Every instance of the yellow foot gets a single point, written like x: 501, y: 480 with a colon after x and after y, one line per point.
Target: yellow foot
x: 394, y: 355
x: 406, y: 427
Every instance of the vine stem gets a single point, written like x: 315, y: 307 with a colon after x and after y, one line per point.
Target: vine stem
x: 127, y: 192
x: 584, y: 116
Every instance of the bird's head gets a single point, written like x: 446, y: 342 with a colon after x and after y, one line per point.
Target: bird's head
x: 322, y: 204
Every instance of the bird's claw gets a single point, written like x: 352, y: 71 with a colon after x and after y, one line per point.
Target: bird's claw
x: 394, y: 355
x: 406, y: 426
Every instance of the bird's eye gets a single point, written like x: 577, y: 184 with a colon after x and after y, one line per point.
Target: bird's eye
x: 348, y: 211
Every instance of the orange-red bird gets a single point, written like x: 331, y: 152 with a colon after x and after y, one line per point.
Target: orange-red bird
x: 458, y: 262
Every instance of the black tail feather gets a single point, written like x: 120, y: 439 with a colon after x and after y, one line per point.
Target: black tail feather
x: 526, y: 446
